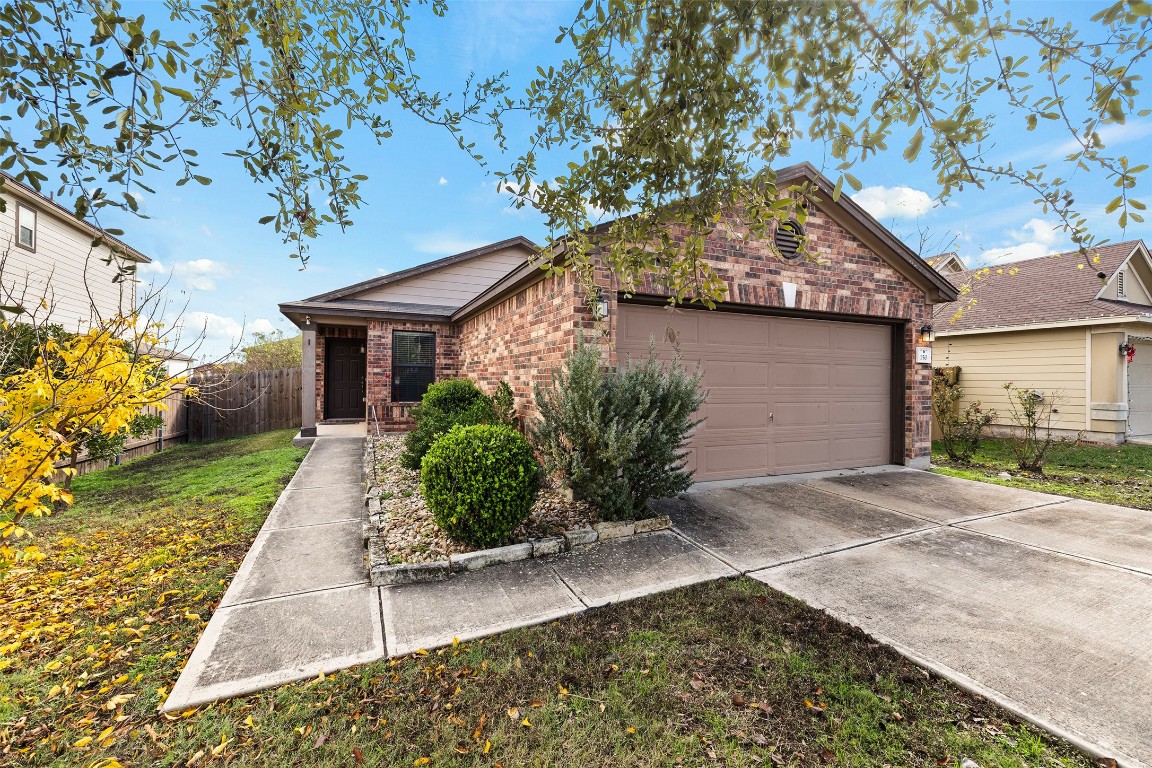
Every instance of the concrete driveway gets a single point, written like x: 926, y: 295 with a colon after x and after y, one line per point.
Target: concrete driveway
x: 1038, y: 602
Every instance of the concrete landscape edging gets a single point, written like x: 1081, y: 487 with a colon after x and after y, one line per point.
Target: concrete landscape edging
x: 411, y: 573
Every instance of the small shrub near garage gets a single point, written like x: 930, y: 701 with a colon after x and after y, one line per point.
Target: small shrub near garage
x: 480, y: 482
x: 960, y: 432
x: 615, y: 435
x: 444, y: 405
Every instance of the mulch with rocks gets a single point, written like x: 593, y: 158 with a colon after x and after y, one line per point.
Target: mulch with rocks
x: 410, y: 533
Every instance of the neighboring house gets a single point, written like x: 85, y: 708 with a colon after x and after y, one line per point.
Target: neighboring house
x: 809, y: 364
x: 947, y: 264
x: 1062, y: 325
x: 47, y: 254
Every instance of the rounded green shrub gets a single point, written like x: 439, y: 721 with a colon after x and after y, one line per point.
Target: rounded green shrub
x: 445, y: 404
x: 480, y: 482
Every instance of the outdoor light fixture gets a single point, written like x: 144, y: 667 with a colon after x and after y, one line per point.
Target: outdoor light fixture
x: 927, y: 335
x: 599, y: 304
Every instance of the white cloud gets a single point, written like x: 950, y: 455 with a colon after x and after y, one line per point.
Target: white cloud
x: 154, y: 267
x: 201, y: 274
x: 443, y: 244
x: 205, y: 231
x: 218, y: 332
x: 1035, y: 239
x: 1114, y: 135
x: 893, y: 202
x: 381, y: 272
x: 442, y: 181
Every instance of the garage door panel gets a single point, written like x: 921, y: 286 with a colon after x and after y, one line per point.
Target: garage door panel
x: 735, y: 331
x: 655, y: 325
x: 853, y: 338
x: 725, y: 374
x: 734, y: 416
x: 784, y: 394
x: 1140, y: 391
x: 860, y: 412
x: 867, y: 377
x: 717, y: 461
x: 789, y: 374
x: 801, y: 454
x: 802, y: 334
x: 859, y: 448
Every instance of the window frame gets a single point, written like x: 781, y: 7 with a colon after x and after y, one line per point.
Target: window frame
x: 35, y: 221
x: 431, y: 367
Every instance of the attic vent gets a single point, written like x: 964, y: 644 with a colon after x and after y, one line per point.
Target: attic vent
x: 1120, y: 292
x: 787, y: 239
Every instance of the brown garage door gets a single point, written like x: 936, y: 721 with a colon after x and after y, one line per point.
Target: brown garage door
x: 785, y: 394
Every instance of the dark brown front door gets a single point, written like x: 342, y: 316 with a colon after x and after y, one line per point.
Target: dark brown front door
x: 344, y: 363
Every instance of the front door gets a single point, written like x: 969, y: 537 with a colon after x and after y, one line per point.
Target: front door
x: 344, y: 364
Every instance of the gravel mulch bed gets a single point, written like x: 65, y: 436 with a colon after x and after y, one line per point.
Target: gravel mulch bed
x: 412, y: 536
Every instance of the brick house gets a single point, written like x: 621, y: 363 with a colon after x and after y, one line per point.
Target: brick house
x: 809, y: 365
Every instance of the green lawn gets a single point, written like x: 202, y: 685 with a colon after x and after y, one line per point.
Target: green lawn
x: 1110, y: 474
x: 727, y: 673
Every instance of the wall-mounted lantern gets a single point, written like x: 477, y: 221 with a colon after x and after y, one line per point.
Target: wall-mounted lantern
x: 1129, y: 351
x: 599, y: 304
x: 927, y: 334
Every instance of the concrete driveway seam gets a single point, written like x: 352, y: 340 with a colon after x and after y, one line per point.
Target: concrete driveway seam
x: 966, y: 683
x: 848, y: 547
x: 969, y: 519
x: 1052, y: 551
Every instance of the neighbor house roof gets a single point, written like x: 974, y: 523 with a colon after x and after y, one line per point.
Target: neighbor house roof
x: 27, y: 193
x: 1051, y: 289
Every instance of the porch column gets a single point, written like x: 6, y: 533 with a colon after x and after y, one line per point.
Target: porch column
x: 308, y: 380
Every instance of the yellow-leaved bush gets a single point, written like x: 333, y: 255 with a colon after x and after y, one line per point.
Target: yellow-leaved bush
x: 92, y: 383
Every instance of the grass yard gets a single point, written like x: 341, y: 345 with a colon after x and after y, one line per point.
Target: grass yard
x: 1117, y: 474
x: 728, y: 673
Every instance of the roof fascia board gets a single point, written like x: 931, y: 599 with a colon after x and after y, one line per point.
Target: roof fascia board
x: 1048, y: 326
x: 27, y: 193
x: 1123, y: 264
x: 427, y: 267
x: 293, y: 310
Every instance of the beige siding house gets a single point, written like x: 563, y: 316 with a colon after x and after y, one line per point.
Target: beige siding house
x: 1062, y: 325
x: 47, y: 254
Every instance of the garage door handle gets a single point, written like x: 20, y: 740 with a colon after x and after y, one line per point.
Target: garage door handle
x: 771, y: 416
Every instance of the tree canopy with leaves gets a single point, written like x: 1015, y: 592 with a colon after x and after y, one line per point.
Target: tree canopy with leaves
x: 692, y: 103
x: 106, y: 97
x: 685, y: 109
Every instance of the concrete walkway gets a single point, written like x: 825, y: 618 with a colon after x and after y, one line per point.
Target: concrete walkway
x: 1035, y: 601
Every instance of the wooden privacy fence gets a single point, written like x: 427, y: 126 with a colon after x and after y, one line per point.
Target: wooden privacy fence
x: 243, y: 404
x: 174, y: 432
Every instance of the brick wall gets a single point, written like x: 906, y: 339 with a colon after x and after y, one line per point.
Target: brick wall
x: 390, y: 415
x: 524, y: 337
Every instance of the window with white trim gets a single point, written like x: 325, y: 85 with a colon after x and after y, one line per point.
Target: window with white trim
x: 1120, y: 292
x: 25, y: 227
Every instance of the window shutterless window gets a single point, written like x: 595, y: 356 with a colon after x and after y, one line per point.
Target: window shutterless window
x: 25, y: 227
x: 413, y: 364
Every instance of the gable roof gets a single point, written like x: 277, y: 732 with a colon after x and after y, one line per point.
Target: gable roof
x: 844, y: 211
x: 1051, y: 289
x: 419, y: 269
x: 26, y: 192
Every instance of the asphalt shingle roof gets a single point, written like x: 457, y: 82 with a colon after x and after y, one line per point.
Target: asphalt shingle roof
x: 1049, y: 289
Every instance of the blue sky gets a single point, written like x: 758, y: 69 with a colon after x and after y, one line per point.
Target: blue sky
x: 426, y: 199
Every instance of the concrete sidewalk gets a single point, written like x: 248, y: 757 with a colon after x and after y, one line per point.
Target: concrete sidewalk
x: 1037, y: 602
x: 300, y: 603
